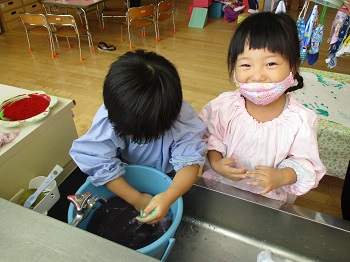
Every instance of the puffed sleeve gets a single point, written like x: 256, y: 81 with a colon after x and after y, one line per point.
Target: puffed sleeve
x: 96, y: 152
x: 304, y: 157
x: 188, y: 146
x: 215, y: 114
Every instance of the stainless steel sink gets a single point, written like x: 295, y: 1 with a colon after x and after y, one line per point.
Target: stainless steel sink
x: 221, y: 223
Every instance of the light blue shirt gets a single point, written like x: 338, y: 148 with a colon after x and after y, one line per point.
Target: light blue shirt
x: 98, y: 152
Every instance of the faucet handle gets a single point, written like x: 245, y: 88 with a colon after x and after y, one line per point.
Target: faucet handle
x: 79, y: 200
x: 97, y: 198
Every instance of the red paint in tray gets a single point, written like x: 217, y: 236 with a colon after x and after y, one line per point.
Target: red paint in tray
x: 28, y: 106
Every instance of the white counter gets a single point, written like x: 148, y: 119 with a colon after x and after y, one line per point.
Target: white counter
x: 38, y: 147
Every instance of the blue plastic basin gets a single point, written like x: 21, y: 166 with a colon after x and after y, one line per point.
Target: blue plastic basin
x: 148, y: 180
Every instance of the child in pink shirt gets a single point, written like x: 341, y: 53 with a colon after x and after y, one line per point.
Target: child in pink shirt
x: 259, y: 138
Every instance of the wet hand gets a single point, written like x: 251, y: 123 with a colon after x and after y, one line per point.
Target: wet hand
x: 143, y: 200
x: 224, y: 167
x: 269, y: 178
x: 155, y: 211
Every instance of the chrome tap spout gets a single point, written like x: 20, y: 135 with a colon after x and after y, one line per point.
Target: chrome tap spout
x: 84, y: 204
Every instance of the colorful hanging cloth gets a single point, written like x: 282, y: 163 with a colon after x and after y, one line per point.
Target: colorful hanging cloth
x: 336, y: 25
x: 344, y: 50
x: 300, y: 21
x: 281, y: 8
x: 346, y: 8
x: 332, y: 59
x: 316, y: 39
x: 309, y: 27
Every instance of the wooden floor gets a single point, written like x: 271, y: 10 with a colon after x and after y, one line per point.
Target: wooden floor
x: 199, y: 54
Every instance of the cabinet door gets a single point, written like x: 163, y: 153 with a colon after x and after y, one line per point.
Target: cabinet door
x: 11, y: 4
x: 11, y: 15
x: 13, y: 24
x: 32, y: 8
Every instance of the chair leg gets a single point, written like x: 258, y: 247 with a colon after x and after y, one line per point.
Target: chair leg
x: 69, y: 44
x: 80, y: 53
x: 157, y: 33
x: 52, y: 45
x: 48, y: 39
x: 98, y: 15
x: 129, y: 37
x: 90, y: 41
x: 103, y: 23
x: 81, y: 20
x: 121, y: 34
x: 58, y: 45
x: 156, y: 30
x: 29, y: 46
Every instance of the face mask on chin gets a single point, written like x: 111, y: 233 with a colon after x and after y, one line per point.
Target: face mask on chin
x: 264, y: 93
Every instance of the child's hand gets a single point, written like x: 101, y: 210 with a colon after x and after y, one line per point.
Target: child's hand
x: 224, y: 167
x: 143, y: 200
x: 270, y: 178
x: 156, y: 210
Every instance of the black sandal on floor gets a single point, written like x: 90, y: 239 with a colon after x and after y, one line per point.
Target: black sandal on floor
x: 102, y: 46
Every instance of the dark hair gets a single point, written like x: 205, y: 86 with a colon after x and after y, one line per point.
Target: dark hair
x: 142, y: 94
x: 266, y: 30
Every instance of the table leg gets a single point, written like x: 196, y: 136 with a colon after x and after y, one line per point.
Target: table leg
x: 98, y: 12
x: 345, y: 196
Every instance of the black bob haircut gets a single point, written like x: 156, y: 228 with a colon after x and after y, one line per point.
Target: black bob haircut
x: 266, y: 30
x: 143, y: 95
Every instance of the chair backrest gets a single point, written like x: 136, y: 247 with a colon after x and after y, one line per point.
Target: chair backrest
x: 166, y: 5
x: 33, y: 19
x: 64, y: 20
x: 145, y: 12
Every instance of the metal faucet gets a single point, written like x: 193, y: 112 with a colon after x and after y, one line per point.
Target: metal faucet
x: 83, y: 204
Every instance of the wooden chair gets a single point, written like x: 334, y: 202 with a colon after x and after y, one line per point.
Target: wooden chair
x: 66, y: 26
x: 114, y: 9
x: 37, y: 24
x: 140, y: 17
x: 165, y: 10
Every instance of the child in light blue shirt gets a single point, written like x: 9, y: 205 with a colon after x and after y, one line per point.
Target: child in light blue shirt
x: 144, y: 121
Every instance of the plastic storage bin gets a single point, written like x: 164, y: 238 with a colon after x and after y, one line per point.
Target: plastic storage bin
x: 202, y: 3
x: 215, y: 10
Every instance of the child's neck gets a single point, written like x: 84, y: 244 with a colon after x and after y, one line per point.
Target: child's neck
x: 268, y: 112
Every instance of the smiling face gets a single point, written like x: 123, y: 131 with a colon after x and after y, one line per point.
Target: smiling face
x: 259, y: 36
x: 261, y: 66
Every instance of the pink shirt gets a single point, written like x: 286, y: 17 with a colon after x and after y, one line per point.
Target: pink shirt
x: 290, y: 140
